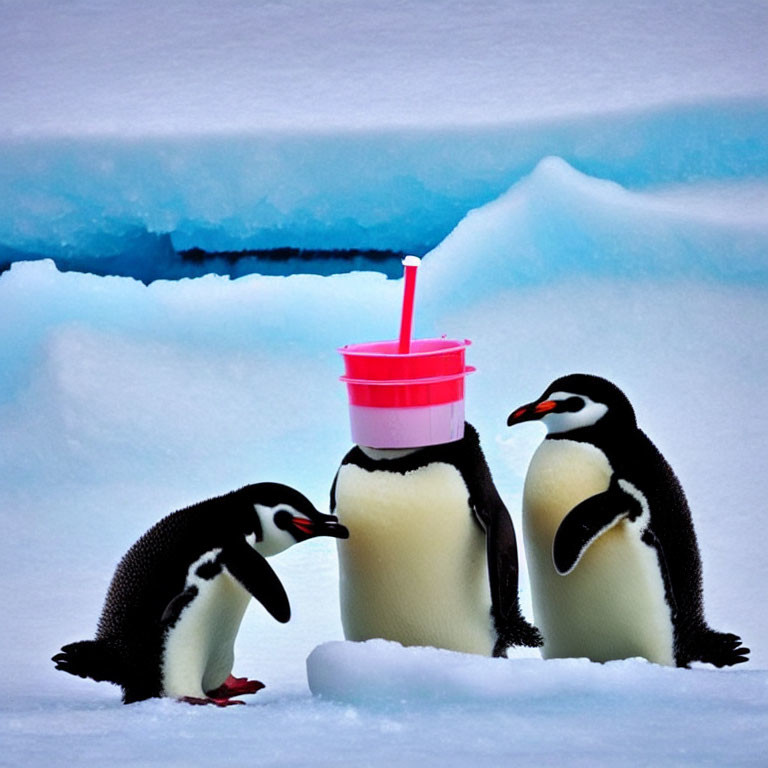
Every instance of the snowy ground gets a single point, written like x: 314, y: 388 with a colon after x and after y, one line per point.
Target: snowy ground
x: 127, y: 402
x: 639, y: 253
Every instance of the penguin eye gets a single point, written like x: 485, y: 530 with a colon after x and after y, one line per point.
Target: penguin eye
x: 570, y: 405
x: 283, y: 519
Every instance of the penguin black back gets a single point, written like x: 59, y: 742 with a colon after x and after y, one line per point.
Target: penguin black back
x: 153, y: 570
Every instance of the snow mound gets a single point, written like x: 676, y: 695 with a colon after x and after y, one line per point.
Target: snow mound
x: 380, y: 671
x: 558, y: 222
x: 383, y: 672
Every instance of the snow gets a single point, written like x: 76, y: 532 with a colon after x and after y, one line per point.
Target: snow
x: 614, y: 710
x: 108, y: 67
x: 385, y: 674
x: 123, y: 402
x: 590, y: 181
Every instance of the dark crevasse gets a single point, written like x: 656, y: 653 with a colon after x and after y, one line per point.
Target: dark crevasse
x: 153, y: 257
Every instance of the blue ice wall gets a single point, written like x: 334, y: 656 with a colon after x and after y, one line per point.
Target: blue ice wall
x: 136, y: 201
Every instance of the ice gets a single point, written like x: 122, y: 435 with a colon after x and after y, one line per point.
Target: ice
x: 558, y: 222
x: 614, y: 710
x: 272, y: 125
x: 590, y: 181
x: 121, y: 206
x: 120, y: 402
x: 128, y: 134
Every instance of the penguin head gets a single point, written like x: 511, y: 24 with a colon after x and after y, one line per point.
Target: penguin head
x: 578, y: 401
x: 284, y: 517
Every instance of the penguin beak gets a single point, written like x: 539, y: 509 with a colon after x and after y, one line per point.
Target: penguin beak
x: 326, y: 525
x: 531, y: 412
x: 334, y: 529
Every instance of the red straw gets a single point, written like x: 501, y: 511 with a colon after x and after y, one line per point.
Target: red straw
x: 411, y: 264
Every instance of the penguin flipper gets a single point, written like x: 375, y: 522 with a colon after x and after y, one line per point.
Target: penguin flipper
x: 501, y: 552
x: 177, y: 605
x: 255, y: 574
x: 511, y: 627
x: 589, y: 520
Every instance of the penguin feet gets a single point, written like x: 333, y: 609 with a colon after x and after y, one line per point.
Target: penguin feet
x: 210, y: 700
x: 722, y: 649
x: 235, y: 686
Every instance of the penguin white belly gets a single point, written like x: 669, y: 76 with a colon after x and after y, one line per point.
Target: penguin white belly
x: 613, y: 604
x: 414, y: 569
x: 199, y: 648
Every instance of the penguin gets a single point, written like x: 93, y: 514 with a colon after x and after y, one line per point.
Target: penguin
x: 177, y: 597
x: 614, y: 565
x: 432, y: 556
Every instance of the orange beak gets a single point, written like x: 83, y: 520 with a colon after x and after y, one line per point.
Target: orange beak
x: 531, y: 412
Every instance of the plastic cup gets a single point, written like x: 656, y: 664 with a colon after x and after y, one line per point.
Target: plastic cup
x: 406, y: 393
x: 406, y: 400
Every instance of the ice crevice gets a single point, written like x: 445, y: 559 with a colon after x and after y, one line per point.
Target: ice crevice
x: 555, y: 221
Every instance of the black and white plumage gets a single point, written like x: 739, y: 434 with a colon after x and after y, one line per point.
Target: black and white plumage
x: 432, y: 556
x: 613, y: 560
x: 178, y: 596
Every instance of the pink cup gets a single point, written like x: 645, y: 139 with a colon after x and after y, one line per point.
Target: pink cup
x: 406, y: 400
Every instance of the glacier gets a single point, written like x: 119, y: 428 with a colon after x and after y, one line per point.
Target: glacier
x: 262, y: 128
x: 115, y: 205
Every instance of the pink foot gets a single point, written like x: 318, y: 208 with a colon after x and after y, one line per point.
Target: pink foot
x: 219, y: 702
x: 235, y: 686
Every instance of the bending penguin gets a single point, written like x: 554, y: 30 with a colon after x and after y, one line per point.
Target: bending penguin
x: 431, y: 557
x: 614, y: 565
x: 178, y: 596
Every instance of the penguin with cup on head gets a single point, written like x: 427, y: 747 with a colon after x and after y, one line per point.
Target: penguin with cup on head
x: 432, y: 553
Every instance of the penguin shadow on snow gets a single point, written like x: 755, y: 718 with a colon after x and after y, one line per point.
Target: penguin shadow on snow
x: 614, y: 565
x: 177, y: 597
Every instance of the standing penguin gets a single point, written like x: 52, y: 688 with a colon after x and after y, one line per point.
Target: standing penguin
x: 612, y: 554
x: 432, y: 557
x: 178, y: 596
